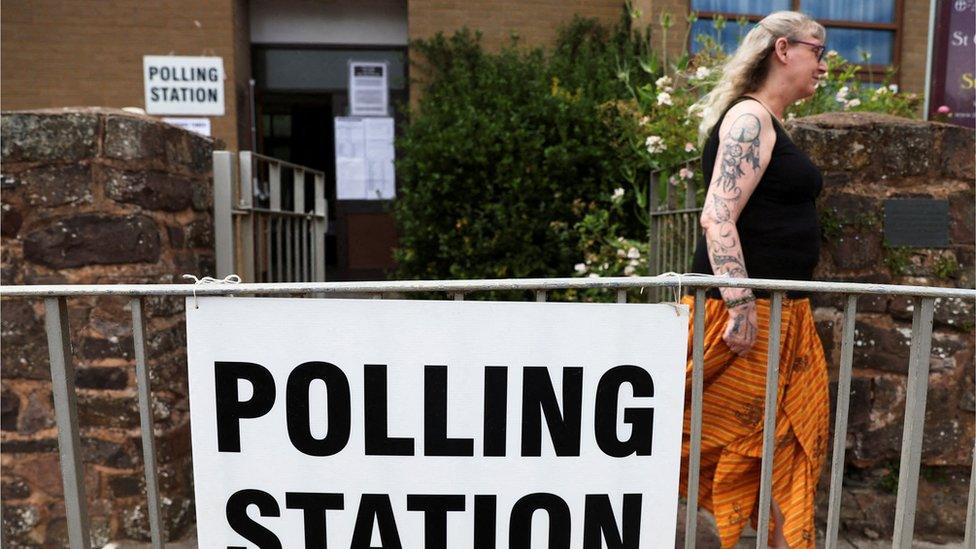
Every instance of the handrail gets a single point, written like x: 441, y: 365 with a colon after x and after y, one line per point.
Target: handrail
x: 661, y: 281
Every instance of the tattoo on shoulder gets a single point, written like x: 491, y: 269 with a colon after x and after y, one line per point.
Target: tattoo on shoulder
x: 742, y: 144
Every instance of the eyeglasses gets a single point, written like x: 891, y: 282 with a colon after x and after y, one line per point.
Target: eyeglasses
x: 818, y: 49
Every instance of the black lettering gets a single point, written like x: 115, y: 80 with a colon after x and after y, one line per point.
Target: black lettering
x: 314, y: 506
x: 212, y: 74
x: 230, y: 409
x: 253, y: 532
x: 375, y: 416
x: 600, y: 524
x: 154, y: 93
x: 199, y: 73
x: 153, y: 71
x: 520, y: 526
x: 375, y: 509
x: 435, y: 508
x: 538, y: 397
x: 212, y: 95
x: 436, y: 442
x: 201, y: 95
x: 337, y: 409
x: 496, y: 410
x: 164, y: 73
x: 641, y: 420
x: 485, y: 511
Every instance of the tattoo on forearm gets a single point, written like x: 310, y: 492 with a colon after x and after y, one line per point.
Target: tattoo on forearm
x: 740, y: 151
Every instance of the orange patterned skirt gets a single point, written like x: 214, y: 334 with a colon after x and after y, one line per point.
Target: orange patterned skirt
x: 732, y: 422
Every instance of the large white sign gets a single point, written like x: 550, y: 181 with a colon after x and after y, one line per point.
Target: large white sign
x: 368, y: 89
x: 364, y: 158
x: 383, y: 423
x: 184, y: 85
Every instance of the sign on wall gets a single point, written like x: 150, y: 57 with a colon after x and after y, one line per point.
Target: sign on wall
x: 360, y: 423
x: 369, y: 89
x: 196, y: 125
x: 184, y: 85
x: 954, y: 67
x: 364, y: 158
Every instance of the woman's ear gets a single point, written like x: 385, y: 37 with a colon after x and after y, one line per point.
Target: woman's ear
x: 780, y: 48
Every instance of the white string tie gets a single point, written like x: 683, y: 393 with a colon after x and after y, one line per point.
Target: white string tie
x: 677, y: 290
x: 229, y: 279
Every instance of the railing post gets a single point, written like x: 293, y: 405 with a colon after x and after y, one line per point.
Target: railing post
x: 66, y: 414
x: 697, y: 389
x: 769, y: 426
x: 911, y: 442
x: 654, y: 236
x: 224, y: 176
x: 971, y: 507
x: 246, y: 202
x: 840, y: 422
x: 146, y: 420
x: 321, y: 226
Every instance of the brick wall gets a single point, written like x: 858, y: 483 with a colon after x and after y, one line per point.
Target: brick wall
x: 89, y: 52
x: 98, y: 196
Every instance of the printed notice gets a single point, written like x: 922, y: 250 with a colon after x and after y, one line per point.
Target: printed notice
x: 364, y: 158
x: 368, y: 89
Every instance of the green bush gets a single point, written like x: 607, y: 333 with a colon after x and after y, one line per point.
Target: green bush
x: 505, y: 154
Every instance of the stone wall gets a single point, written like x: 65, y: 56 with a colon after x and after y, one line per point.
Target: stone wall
x: 867, y: 158
x: 98, y: 196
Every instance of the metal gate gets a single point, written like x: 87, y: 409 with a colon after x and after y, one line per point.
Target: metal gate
x: 69, y: 445
x: 264, y: 228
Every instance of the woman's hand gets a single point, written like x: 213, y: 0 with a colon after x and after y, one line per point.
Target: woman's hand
x: 741, y: 328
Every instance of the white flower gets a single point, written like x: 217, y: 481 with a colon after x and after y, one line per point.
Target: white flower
x: 618, y: 193
x: 663, y: 81
x: 689, y: 146
x: 893, y: 88
x: 685, y: 173
x: 629, y: 270
x: 655, y: 144
x: 673, y: 181
x: 580, y: 268
x: 593, y: 275
x: 621, y: 253
x: 854, y: 102
x: 881, y: 91
x: 701, y: 73
x: 664, y: 98
x: 645, y: 120
x: 633, y: 253
x: 832, y: 54
x: 791, y: 116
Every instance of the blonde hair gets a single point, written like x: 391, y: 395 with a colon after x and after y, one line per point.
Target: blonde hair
x: 746, y: 70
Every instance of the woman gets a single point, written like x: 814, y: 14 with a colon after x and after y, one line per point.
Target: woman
x: 759, y: 220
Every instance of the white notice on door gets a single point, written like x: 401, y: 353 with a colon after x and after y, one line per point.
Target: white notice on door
x: 364, y: 158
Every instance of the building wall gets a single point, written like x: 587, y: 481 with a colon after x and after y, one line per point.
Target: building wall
x: 914, y: 45
x: 535, y: 21
x: 343, y: 22
x: 89, y: 52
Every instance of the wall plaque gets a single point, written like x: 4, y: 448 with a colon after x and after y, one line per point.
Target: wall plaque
x: 916, y: 222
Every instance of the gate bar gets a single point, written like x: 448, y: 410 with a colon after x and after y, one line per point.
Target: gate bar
x: 769, y: 426
x: 146, y: 420
x: 840, y: 423
x: 971, y: 507
x: 66, y: 415
x: 697, y: 386
x: 911, y: 442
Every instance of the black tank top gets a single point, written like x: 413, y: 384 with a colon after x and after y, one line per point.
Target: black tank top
x: 779, y: 228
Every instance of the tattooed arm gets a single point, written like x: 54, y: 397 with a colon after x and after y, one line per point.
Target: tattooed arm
x: 746, y: 139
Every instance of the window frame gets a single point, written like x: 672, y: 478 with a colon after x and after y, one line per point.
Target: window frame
x: 866, y: 68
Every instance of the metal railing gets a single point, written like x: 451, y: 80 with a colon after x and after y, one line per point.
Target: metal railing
x: 673, y: 228
x: 264, y: 229
x: 62, y: 374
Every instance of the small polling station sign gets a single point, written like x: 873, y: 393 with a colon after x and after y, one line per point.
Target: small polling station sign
x: 184, y: 85
x: 404, y: 423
